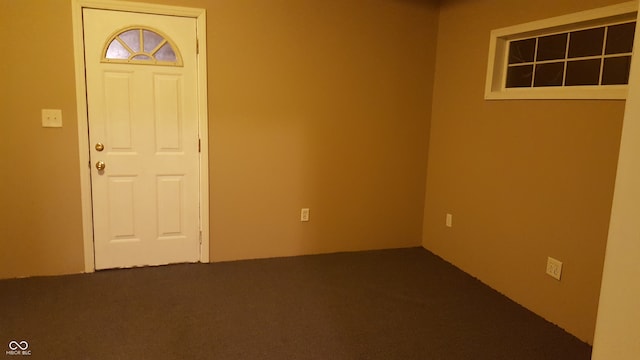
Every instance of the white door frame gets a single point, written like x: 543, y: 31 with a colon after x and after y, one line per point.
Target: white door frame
x: 617, y: 328
x: 83, y: 125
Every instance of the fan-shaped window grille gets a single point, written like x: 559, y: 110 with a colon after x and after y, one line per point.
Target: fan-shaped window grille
x: 141, y: 45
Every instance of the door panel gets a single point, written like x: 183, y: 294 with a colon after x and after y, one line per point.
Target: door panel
x: 146, y: 200
x: 121, y: 202
x: 168, y: 122
x: 117, y: 98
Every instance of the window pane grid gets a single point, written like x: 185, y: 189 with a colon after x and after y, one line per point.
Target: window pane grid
x: 535, y: 56
x: 139, y: 45
x: 571, y: 59
x: 583, y: 70
x: 581, y: 28
x: 604, y: 47
x: 566, y: 55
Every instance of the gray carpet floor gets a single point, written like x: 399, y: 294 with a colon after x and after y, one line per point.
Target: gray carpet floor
x: 387, y: 304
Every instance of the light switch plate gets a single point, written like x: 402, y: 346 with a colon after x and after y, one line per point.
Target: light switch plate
x: 51, y: 118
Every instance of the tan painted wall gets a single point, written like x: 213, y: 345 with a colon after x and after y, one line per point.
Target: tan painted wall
x: 319, y: 104
x: 523, y: 179
x: 40, y: 218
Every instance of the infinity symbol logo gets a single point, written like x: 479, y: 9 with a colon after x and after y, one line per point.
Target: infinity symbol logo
x: 22, y: 345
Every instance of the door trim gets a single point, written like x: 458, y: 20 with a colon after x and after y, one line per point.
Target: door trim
x: 83, y: 125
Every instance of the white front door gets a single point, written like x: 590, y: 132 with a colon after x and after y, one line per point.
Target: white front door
x: 143, y: 128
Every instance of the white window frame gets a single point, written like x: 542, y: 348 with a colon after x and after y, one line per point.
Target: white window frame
x: 498, y: 54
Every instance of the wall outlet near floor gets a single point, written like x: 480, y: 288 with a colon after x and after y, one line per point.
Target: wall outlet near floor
x: 304, y: 214
x: 554, y: 268
x: 449, y: 220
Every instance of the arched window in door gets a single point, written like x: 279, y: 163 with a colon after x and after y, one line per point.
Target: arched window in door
x: 141, y: 45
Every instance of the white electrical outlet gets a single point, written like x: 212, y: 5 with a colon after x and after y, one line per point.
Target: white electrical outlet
x: 449, y: 220
x: 304, y: 214
x: 51, y: 118
x: 554, y: 268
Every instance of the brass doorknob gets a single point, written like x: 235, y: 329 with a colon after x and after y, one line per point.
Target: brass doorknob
x: 100, y: 165
x: 99, y: 146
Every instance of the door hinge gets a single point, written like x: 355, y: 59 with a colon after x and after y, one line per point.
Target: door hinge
x: 199, y: 146
x: 200, y: 237
x: 197, y: 47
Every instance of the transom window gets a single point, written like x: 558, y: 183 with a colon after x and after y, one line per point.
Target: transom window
x: 585, y: 55
x: 141, y: 45
x: 595, y: 56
